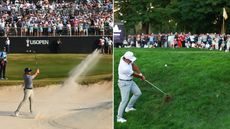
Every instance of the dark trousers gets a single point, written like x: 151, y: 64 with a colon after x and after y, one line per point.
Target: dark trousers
x: 183, y: 43
x: 3, y: 69
x: 7, y: 48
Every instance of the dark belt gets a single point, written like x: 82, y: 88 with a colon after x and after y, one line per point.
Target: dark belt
x: 28, y: 88
x: 125, y: 80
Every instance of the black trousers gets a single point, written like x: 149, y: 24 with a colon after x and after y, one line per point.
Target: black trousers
x: 3, y: 69
x: 7, y: 48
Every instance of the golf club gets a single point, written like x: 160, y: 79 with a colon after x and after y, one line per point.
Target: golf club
x: 35, y: 57
x: 167, y: 97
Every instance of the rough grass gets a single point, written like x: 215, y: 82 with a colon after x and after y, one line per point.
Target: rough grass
x: 54, y: 68
x: 198, y: 80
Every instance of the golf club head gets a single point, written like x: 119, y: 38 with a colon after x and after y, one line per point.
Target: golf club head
x: 167, y: 98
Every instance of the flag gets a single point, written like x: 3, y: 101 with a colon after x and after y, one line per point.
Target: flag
x: 225, y: 15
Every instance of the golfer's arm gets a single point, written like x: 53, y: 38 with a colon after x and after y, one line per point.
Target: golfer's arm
x: 137, y: 75
x: 35, y: 74
x: 136, y: 68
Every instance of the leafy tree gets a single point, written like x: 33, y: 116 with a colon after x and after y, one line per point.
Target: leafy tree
x: 196, y: 16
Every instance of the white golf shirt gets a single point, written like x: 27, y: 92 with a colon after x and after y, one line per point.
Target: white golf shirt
x: 8, y: 42
x: 125, y: 70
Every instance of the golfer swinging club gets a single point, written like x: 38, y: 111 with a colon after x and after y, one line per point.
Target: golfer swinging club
x: 28, y: 89
x: 127, y: 70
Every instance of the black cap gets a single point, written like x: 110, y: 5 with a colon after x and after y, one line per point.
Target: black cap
x: 26, y: 70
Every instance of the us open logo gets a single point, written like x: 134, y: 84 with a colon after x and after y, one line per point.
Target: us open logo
x: 36, y: 42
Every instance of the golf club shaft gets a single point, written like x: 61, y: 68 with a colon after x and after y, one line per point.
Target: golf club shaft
x: 35, y: 56
x: 155, y: 87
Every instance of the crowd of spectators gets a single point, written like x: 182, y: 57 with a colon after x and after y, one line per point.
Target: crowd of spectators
x: 177, y: 40
x: 105, y: 45
x: 46, y: 18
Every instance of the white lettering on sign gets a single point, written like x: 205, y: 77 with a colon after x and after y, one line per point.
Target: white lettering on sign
x: 37, y: 42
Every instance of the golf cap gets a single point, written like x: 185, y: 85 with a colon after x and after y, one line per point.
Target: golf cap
x: 26, y: 70
x: 129, y: 55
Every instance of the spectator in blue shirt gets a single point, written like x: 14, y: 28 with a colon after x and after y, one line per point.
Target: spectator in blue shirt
x: 3, y: 62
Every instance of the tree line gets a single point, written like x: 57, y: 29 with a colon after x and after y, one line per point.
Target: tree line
x: 195, y: 16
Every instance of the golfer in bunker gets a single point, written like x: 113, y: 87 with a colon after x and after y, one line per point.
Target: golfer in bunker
x: 126, y: 71
x: 28, y: 88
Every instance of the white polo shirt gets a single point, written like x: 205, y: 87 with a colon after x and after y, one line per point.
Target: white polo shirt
x: 7, y: 42
x: 125, y: 70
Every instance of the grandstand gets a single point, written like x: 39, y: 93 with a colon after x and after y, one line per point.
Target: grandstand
x: 56, y: 18
x: 79, y: 25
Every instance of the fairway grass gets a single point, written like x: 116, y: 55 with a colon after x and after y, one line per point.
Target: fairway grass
x: 198, y: 80
x: 54, y: 68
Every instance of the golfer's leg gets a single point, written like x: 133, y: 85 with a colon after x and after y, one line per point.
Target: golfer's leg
x: 124, y: 90
x: 136, y: 94
x: 31, y: 101
x: 26, y: 96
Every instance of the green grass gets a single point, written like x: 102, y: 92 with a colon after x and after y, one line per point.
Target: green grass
x: 54, y: 68
x: 198, y: 80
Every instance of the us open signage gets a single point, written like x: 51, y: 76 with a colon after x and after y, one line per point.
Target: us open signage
x: 36, y: 42
x: 51, y: 45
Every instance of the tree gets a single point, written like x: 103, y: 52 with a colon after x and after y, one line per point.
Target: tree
x: 196, y: 16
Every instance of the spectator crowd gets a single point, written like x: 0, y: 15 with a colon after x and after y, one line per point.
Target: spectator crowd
x: 105, y: 45
x: 45, y: 18
x: 177, y: 40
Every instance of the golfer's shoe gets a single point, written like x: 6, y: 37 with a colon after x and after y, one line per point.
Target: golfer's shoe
x: 121, y: 120
x: 129, y: 109
x: 16, y: 113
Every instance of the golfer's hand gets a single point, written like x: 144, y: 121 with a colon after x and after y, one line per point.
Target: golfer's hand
x: 38, y: 71
x: 142, y: 77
